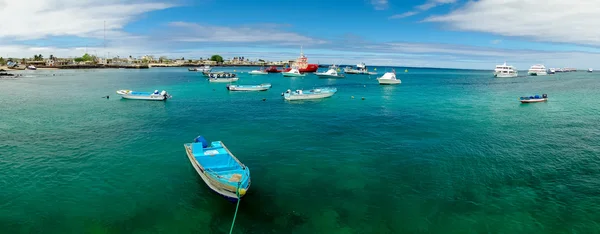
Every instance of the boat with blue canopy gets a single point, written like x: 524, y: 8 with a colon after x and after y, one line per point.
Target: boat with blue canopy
x: 536, y: 98
x: 152, y: 96
x: 219, y: 168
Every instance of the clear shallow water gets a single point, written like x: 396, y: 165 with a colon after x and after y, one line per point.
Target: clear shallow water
x: 447, y: 151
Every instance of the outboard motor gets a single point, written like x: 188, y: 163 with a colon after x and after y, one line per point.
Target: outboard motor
x: 544, y: 95
x: 163, y: 93
x: 200, y: 139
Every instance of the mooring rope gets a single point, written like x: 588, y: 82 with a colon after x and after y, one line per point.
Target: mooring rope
x: 237, y: 193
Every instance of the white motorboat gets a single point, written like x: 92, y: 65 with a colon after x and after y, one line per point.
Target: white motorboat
x: 551, y: 71
x: 331, y: 73
x: 260, y: 87
x: 31, y: 67
x: 505, y: 71
x: 223, y: 80
x: 537, y: 70
x: 590, y: 70
x: 316, y: 93
x: 361, y: 69
x: 388, y: 78
x: 294, y: 72
x: 152, y: 96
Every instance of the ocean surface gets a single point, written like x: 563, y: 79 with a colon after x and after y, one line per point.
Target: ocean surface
x: 446, y: 151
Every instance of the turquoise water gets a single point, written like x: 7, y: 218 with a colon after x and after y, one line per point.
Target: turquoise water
x: 447, y: 151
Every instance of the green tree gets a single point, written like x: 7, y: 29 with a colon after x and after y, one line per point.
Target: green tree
x: 87, y: 57
x: 162, y: 59
x: 51, y: 57
x: 189, y: 61
x: 40, y: 57
x: 2, y: 61
x: 217, y: 58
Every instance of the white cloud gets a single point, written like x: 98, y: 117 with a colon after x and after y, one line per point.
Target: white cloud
x: 551, y: 21
x: 192, y: 32
x: 423, y: 7
x: 433, y: 3
x: 35, y: 19
x: 380, y: 4
x: 404, y: 15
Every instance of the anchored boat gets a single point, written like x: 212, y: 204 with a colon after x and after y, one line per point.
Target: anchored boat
x: 258, y: 72
x: 331, y: 73
x: 316, y: 93
x: 294, y: 72
x: 388, y: 78
x: 505, y: 71
x: 223, y: 77
x: 152, y: 96
x: 537, y: 70
x: 260, y: 87
x: 535, y: 98
x: 219, y: 168
x: 361, y: 69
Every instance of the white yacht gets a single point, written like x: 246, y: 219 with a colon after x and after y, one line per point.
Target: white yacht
x: 537, y: 70
x: 361, y: 68
x: 505, y: 71
x: 389, y: 78
x: 590, y: 70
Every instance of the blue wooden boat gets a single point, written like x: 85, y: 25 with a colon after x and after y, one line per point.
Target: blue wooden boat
x: 220, y: 170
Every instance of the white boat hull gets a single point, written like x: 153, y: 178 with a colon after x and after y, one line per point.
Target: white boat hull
x: 323, y: 75
x: 388, y: 81
x: 538, y: 73
x: 288, y: 74
x: 149, y: 98
x: 258, y: 73
x: 506, y: 75
x: 307, y: 97
x: 534, y: 100
x: 223, y: 80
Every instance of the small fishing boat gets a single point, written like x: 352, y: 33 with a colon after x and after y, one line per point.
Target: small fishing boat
x: 535, y: 98
x: 225, y: 77
x: 294, y: 72
x: 152, y: 96
x: 551, y: 71
x: 260, y: 87
x: 389, y: 78
x: 206, y: 68
x: 219, y: 168
x: 31, y: 67
x: 258, y: 72
x: 590, y: 70
x: 316, y: 93
x: 331, y: 73
x: 208, y: 74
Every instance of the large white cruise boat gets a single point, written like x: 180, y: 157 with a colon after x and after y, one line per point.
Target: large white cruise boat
x: 505, y: 71
x: 537, y: 70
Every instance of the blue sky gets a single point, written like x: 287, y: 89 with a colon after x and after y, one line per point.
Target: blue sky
x: 430, y: 33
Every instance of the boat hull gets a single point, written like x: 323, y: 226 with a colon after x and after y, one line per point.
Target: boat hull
x: 229, y: 196
x: 501, y: 75
x: 223, y: 80
x: 307, y: 97
x: 328, y: 76
x: 151, y: 97
x: 388, y: 81
x: 534, y: 100
x: 248, y: 88
x: 287, y: 74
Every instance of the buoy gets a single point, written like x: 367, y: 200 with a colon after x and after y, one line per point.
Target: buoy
x: 233, y: 70
x: 352, y: 97
x: 374, y: 69
x: 406, y: 70
x: 264, y: 99
x: 363, y: 98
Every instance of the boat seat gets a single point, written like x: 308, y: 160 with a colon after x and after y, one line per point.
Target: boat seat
x: 235, y: 178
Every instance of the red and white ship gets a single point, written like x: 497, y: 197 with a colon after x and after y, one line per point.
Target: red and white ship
x: 302, y: 64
